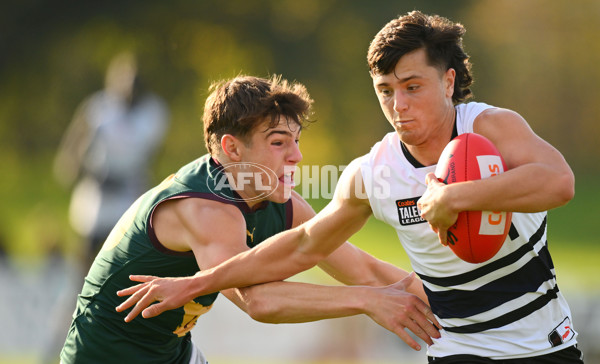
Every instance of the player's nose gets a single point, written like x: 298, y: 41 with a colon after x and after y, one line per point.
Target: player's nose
x: 295, y: 155
x: 400, y: 102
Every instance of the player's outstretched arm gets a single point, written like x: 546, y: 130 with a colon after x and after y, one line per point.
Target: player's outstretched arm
x: 390, y: 306
x: 277, y: 258
x: 291, y: 302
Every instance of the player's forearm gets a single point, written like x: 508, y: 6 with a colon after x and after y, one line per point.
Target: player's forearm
x: 383, y: 273
x: 529, y: 188
x: 353, y: 266
x: 388, y: 274
x: 292, y: 302
x: 277, y: 258
x: 282, y: 255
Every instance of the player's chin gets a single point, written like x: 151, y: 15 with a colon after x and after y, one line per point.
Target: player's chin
x: 281, y: 194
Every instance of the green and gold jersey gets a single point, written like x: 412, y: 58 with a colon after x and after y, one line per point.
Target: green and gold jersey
x: 98, y: 334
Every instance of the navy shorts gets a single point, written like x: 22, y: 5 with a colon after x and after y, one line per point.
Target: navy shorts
x: 570, y: 355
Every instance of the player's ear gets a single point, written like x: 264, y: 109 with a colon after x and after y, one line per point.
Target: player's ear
x: 449, y: 78
x: 231, y: 147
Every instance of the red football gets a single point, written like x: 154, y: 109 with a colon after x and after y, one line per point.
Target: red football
x: 477, y: 235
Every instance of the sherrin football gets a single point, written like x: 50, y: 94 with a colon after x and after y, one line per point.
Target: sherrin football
x: 477, y: 235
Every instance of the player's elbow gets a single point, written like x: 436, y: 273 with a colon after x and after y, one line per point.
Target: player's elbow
x: 259, y: 306
x: 565, y: 188
x: 306, y: 255
x: 304, y: 260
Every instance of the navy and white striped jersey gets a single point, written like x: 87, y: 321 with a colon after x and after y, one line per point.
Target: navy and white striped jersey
x: 507, y: 307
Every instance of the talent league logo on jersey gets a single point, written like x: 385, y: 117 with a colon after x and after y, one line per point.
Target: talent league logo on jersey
x: 244, y: 176
x: 408, y: 212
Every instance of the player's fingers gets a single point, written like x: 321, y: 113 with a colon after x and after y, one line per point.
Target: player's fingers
x: 421, y: 332
x: 142, y: 299
x: 131, y: 290
x: 427, y: 328
x: 431, y: 317
x: 435, y: 229
x: 402, y: 334
x: 429, y: 178
x: 443, y: 236
x: 155, y: 310
x: 141, y: 278
x: 417, y: 322
x: 136, y: 293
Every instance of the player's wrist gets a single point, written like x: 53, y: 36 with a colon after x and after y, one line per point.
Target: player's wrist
x: 456, y: 198
x: 365, y: 299
x: 198, y: 283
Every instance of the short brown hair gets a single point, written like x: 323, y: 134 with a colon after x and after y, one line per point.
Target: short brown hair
x: 441, y: 39
x: 237, y: 105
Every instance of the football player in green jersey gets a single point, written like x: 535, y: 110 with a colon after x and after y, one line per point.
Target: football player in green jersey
x: 215, y: 207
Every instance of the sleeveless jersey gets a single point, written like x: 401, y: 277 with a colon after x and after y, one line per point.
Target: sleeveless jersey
x: 98, y: 333
x: 507, y: 307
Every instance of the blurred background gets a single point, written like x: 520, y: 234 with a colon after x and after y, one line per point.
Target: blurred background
x: 537, y: 57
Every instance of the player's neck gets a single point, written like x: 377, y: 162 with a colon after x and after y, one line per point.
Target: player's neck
x: 428, y: 153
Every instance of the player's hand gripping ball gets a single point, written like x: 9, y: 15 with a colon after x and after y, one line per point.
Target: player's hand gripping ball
x: 477, y: 235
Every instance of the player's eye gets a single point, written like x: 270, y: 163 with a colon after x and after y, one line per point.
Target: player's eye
x: 385, y: 92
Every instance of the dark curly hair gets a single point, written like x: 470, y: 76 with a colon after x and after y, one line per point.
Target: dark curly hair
x: 237, y: 105
x: 441, y: 39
